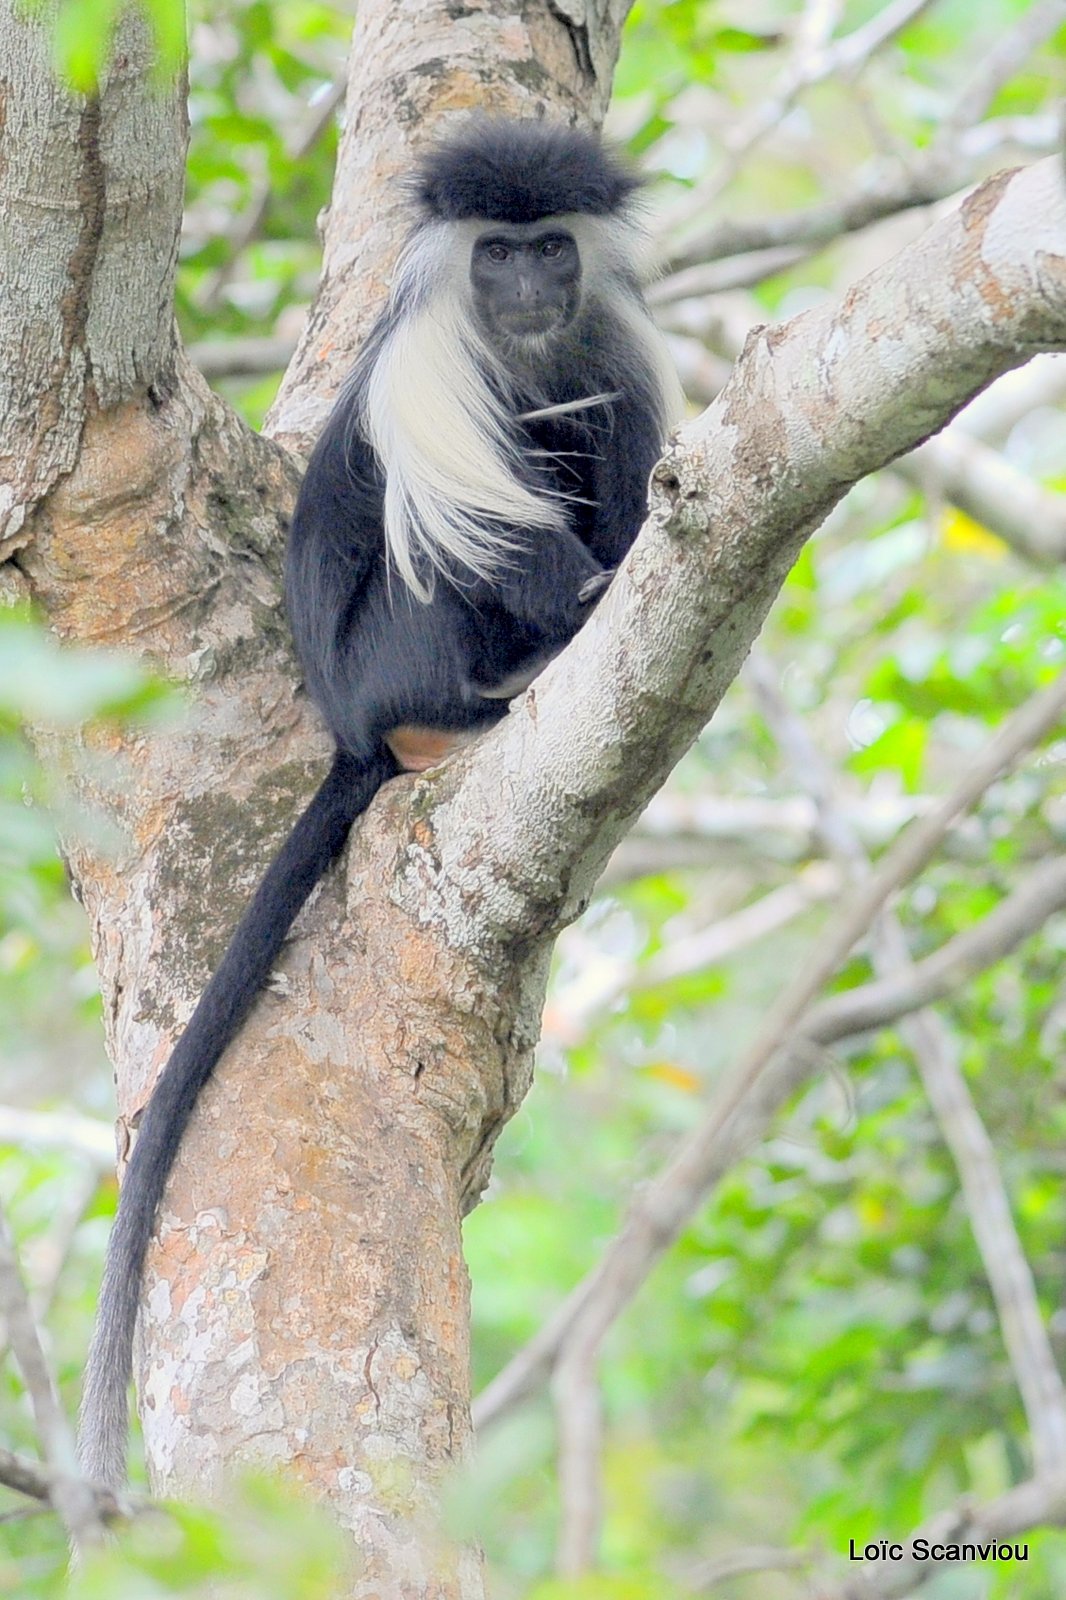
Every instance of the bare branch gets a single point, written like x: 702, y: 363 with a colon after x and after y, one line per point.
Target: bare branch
x: 30, y: 1478
x: 602, y: 984
x: 1013, y: 49
x: 904, y: 987
x: 956, y: 158
x: 815, y: 57
x: 910, y: 987
x: 241, y: 358
x: 697, y: 828
x: 781, y: 1057
x: 955, y: 464
x: 72, y: 1497
x: 719, y: 276
x: 880, y: 189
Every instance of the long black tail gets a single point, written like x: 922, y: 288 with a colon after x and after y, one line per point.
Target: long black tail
x: 316, y: 839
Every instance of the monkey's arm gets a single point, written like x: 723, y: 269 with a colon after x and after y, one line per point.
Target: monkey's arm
x: 547, y: 580
x: 334, y: 549
x: 617, y: 483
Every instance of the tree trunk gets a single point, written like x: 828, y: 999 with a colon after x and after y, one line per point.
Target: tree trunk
x: 306, y: 1304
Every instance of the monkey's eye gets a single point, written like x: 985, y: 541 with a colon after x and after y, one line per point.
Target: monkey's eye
x: 551, y: 248
x: 498, y: 252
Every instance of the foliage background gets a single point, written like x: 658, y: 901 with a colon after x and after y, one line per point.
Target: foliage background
x: 819, y: 1359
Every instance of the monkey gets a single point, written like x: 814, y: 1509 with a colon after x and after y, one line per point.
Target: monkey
x: 477, y: 483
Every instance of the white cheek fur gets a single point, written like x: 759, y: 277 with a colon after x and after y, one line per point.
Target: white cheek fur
x: 435, y: 407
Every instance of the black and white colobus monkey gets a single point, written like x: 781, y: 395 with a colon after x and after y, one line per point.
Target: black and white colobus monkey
x: 482, y: 474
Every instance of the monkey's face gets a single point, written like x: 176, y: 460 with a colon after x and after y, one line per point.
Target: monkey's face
x: 526, y: 281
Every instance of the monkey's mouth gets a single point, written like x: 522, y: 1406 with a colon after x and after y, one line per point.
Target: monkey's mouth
x: 531, y: 323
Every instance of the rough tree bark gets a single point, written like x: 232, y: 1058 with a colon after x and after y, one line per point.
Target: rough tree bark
x: 312, y: 1308
x: 306, y: 1301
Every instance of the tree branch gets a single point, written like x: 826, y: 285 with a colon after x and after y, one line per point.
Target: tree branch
x: 879, y: 190
x: 812, y: 406
x: 956, y: 464
x: 1013, y: 49
x: 783, y: 1055
x: 815, y: 57
x: 30, y: 1478
x: 241, y: 358
x: 602, y: 983
x: 903, y: 987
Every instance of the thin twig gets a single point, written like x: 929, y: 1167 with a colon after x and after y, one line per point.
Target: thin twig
x: 816, y: 57
x: 904, y: 989
x: 879, y: 190
x: 1013, y: 49
x: 600, y: 985
x: 241, y: 358
x: 719, y: 276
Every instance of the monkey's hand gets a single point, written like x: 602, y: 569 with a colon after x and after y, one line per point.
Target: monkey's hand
x: 593, y: 588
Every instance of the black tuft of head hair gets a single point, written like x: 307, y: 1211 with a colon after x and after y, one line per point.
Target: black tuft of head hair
x: 514, y: 171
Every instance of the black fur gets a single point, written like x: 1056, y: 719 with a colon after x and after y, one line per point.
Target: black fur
x: 520, y: 172
x: 375, y: 657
